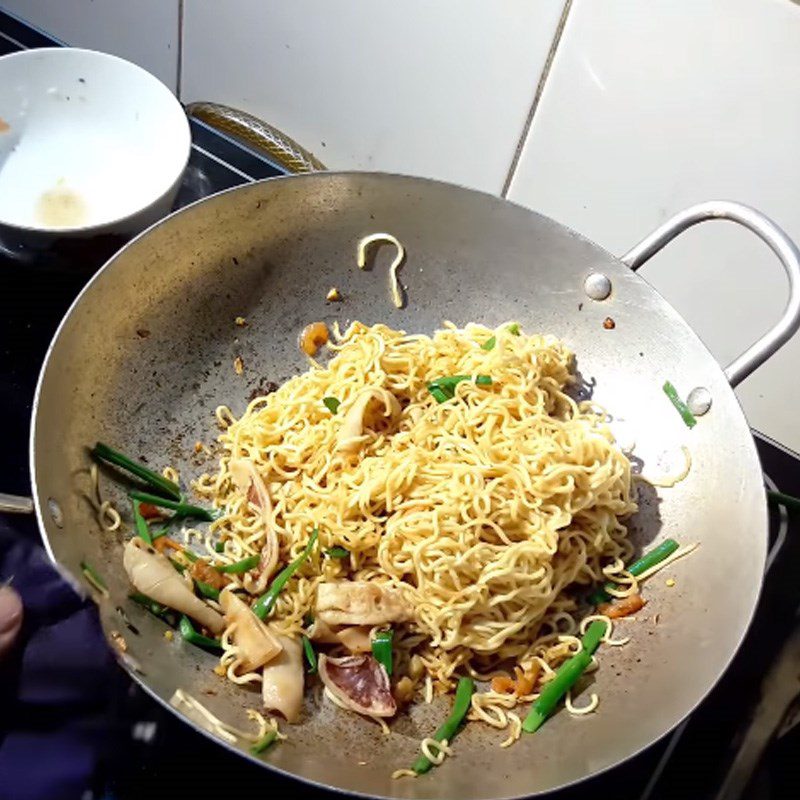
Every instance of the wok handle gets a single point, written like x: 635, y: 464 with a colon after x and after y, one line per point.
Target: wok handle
x: 769, y: 233
x: 14, y: 504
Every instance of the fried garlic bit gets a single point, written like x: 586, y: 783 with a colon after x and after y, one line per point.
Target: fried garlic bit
x: 238, y: 365
x: 240, y: 321
x: 313, y: 337
x: 361, y: 256
x: 333, y: 295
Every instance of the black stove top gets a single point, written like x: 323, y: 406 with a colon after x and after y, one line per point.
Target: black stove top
x: 715, y: 754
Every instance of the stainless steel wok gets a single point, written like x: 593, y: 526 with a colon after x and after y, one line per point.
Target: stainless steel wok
x: 146, y: 353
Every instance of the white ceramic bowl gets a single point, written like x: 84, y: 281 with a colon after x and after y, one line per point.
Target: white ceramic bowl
x: 89, y: 144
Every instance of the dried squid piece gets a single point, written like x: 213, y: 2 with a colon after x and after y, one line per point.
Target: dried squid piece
x: 367, y: 404
x: 356, y: 638
x: 282, y: 683
x: 360, y: 603
x: 253, y: 639
x: 246, y: 478
x: 153, y: 575
x: 360, y: 683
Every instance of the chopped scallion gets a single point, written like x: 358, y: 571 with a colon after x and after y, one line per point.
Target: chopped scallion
x: 180, y: 507
x: 153, y: 479
x: 240, y: 567
x: 565, y: 678
x: 265, y: 603
x: 189, y: 634
x: 491, y: 342
x: 142, y: 528
x: 332, y: 404
x: 686, y: 415
x: 311, y: 656
x: 156, y: 609
x: 263, y: 743
x: 449, y: 728
x: 207, y: 590
x: 655, y: 556
x: 94, y: 578
x: 444, y: 389
x: 438, y: 395
x: 382, y: 649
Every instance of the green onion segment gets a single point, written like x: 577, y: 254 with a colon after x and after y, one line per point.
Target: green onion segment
x: 686, y: 415
x: 158, y: 482
x: 262, y: 744
x: 332, y: 404
x: 93, y: 577
x: 382, y: 649
x: 239, y: 567
x: 311, y: 656
x: 565, y: 678
x: 444, y: 389
x: 265, y: 603
x: 655, y: 556
x: 142, y: 529
x: 449, y: 728
x: 189, y: 634
x: 180, y: 507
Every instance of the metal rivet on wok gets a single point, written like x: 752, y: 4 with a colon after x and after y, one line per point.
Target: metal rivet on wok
x: 597, y: 286
x: 699, y: 401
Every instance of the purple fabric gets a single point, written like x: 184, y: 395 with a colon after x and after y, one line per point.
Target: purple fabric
x: 57, y: 686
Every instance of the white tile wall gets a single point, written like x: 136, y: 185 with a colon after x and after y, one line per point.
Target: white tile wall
x: 143, y: 31
x: 650, y: 107
x: 438, y: 89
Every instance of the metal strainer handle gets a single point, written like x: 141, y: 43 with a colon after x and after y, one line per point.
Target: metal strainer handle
x: 257, y: 134
x: 769, y: 233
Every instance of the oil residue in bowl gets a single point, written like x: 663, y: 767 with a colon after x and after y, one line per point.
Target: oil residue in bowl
x: 61, y: 207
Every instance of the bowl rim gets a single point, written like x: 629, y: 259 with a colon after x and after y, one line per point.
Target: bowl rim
x: 159, y: 86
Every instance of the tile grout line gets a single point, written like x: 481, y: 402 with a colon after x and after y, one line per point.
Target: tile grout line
x: 526, y: 128
x: 179, y: 66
